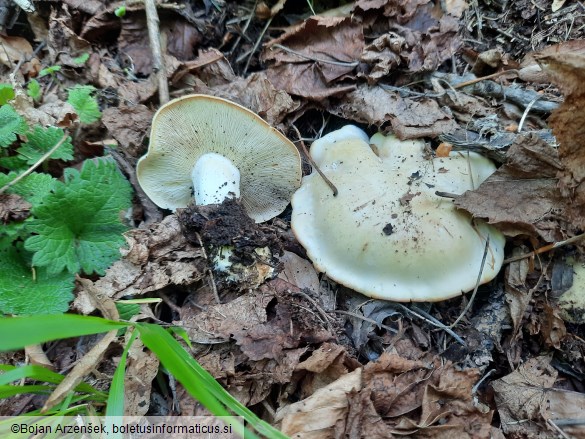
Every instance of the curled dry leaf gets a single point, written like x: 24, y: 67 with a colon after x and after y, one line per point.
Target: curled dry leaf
x: 13, y: 49
x: 129, y: 126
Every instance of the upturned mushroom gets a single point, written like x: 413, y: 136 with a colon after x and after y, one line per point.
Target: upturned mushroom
x: 204, y: 149
x: 387, y: 234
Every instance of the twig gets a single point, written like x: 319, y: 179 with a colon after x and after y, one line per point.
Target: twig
x: 36, y: 165
x: 483, y: 78
x: 423, y: 315
x: 256, y: 44
x: 314, y: 58
x: 366, y: 319
x: 313, y: 164
x: 477, y: 282
x: 158, y: 63
x: 544, y: 249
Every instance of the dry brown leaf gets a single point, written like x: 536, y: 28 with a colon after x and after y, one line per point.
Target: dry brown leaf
x: 256, y: 93
x: 219, y: 322
x: 299, y: 272
x: 129, y: 126
x: 522, y: 398
x: 522, y: 196
x: 13, y: 49
x: 316, y: 416
x: 13, y: 208
x: 531, y: 71
x: 319, y: 54
x: 427, y: 34
x: 157, y: 257
x: 141, y: 369
x: 409, y: 118
x: 567, y: 70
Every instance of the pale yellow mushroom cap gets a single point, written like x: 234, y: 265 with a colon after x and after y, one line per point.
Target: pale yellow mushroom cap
x: 186, y: 128
x: 386, y: 234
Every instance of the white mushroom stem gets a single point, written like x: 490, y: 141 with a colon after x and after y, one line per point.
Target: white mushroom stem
x: 215, y: 178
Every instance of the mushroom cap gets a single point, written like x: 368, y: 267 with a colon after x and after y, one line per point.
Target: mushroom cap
x: 387, y: 234
x: 188, y: 127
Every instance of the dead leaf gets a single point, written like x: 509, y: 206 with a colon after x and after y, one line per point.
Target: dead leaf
x: 299, y: 272
x: 13, y: 49
x: 313, y: 58
x: 157, y: 257
x: 409, y: 118
x: 13, y: 208
x: 567, y: 70
x: 522, y: 196
x: 316, y: 416
x: 219, y: 322
x: 141, y: 369
x: 129, y: 126
x: 522, y: 398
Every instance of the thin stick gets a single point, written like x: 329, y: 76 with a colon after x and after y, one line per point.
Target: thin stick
x: 423, y: 315
x: 313, y: 164
x: 158, y: 63
x: 314, y: 58
x: 483, y: 78
x: 477, y: 282
x: 544, y: 249
x: 36, y: 165
x: 256, y: 44
x: 366, y: 319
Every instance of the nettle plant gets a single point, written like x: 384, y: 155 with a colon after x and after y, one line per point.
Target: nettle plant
x: 74, y: 224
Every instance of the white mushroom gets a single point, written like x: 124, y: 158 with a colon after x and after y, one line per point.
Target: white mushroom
x: 387, y: 234
x: 209, y: 148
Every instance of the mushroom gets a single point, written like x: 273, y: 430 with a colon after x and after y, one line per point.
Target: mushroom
x: 207, y: 148
x: 387, y: 234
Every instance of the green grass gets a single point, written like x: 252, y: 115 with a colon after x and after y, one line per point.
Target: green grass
x: 197, y: 381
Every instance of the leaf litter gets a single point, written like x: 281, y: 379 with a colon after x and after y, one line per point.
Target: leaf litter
x: 313, y: 357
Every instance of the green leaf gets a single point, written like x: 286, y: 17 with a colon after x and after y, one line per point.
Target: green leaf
x: 120, y: 11
x: 42, y: 140
x: 23, y: 291
x: 34, y: 188
x: 115, y: 405
x: 11, y: 124
x: 38, y: 373
x: 13, y: 163
x: 81, y: 59
x: 86, y: 106
x: 33, y: 89
x: 25, y: 331
x: 51, y: 70
x: 6, y: 93
x: 78, y: 225
x: 127, y: 310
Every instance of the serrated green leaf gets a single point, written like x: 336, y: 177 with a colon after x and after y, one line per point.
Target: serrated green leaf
x: 33, y: 188
x: 42, y: 140
x: 51, y: 70
x: 11, y: 124
x: 33, y: 89
x: 78, y: 225
x: 81, y: 59
x: 6, y: 93
x: 86, y: 106
x: 23, y: 291
x: 13, y: 163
